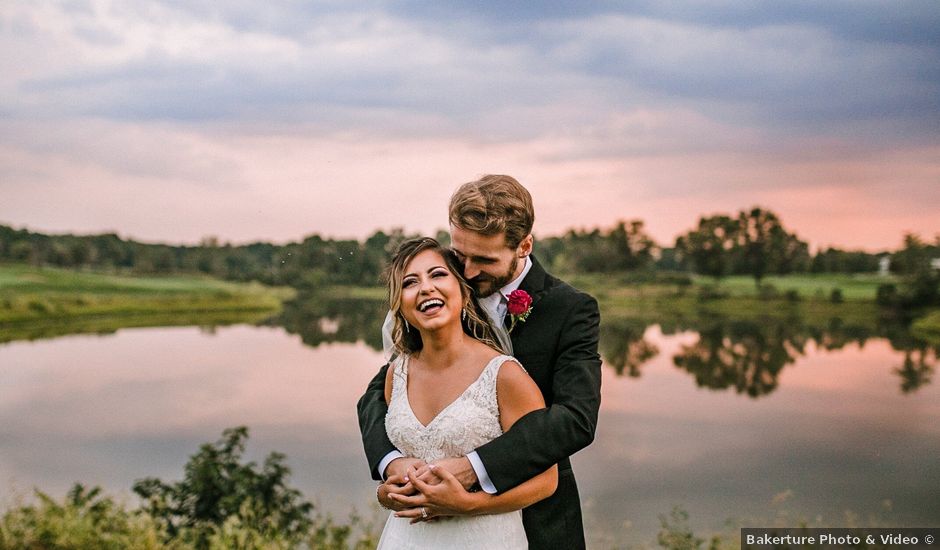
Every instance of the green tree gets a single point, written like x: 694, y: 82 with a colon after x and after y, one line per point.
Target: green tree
x: 710, y: 248
x: 764, y: 247
x: 625, y: 247
x: 631, y: 247
x: 921, y: 281
x: 218, y: 488
x: 835, y: 260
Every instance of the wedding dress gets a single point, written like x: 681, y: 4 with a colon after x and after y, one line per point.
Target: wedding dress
x: 470, y: 421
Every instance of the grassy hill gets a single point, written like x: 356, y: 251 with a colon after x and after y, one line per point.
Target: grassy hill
x: 36, y: 294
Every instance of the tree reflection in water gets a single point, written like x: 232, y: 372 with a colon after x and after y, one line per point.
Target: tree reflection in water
x: 744, y: 354
x: 323, y: 320
x: 749, y: 354
x: 917, y: 369
x: 623, y: 346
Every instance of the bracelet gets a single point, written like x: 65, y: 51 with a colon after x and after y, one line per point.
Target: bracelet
x: 377, y: 487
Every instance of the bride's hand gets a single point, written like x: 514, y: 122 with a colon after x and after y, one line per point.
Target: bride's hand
x: 445, y: 498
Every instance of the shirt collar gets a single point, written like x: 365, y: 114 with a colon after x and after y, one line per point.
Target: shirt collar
x: 494, y: 300
x: 517, y: 282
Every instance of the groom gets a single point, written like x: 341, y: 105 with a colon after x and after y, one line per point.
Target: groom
x: 491, y: 232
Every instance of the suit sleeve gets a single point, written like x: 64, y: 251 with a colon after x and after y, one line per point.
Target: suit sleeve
x: 372, y: 409
x: 547, y: 436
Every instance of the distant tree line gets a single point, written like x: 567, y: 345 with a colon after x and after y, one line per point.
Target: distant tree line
x: 753, y: 242
x: 917, y: 263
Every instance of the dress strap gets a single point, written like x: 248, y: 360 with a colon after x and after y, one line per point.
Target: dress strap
x: 399, y: 374
x: 491, y: 372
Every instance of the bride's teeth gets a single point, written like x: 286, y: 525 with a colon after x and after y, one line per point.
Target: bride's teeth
x: 429, y: 304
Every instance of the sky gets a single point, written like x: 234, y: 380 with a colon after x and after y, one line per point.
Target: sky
x: 174, y: 120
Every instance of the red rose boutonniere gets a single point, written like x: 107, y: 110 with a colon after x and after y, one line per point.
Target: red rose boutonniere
x: 519, y: 308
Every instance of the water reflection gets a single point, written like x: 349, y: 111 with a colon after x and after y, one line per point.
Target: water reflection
x: 836, y: 435
x: 319, y: 320
x: 917, y: 368
x: 743, y: 355
x: 746, y: 356
x: 624, y: 347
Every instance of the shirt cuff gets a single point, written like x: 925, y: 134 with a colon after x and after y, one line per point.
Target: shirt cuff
x: 385, y: 462
x: 482, y: 476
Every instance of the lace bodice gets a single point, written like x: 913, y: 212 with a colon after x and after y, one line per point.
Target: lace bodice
x: 468, y: 422
x: 462, y: 426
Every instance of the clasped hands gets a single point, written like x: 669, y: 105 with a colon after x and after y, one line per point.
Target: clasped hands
x: 424, y: 492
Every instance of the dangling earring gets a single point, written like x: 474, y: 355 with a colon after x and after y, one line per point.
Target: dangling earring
x: 463, y: 314
x: 406, y: 327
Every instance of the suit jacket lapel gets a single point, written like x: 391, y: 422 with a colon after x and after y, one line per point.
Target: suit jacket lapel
x: 534, y: 285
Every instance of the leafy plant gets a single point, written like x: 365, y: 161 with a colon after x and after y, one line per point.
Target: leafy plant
x: 84, y: 519
x: 219, y: 492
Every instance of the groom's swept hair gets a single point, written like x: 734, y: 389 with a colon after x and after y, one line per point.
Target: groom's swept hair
x: 494, y: 204
x: 407, y: 338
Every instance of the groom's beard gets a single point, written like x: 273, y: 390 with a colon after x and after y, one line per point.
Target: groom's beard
x: 485, y: 285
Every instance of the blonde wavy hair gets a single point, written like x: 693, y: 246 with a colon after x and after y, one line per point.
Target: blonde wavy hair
x: 473, y: 320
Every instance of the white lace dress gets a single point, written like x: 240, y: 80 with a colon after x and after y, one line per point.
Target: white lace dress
x: 470, y: 421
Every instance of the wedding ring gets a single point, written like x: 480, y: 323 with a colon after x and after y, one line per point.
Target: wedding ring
x: 424, y: 513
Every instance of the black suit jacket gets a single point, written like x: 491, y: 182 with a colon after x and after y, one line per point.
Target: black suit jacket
x: 557, y: 345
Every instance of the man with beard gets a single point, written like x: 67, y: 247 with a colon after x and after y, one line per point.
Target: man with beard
x: 491, y: 223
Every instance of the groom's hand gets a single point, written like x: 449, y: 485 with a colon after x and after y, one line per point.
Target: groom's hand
x: 459, y: 467
x: 399, y: 466
x: 444, y: 498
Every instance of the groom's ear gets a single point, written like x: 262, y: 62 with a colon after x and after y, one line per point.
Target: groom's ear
x: 525, y: 246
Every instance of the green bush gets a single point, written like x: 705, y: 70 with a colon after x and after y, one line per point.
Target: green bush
x: 218, y: 489
x: 887, y: 295
x: 836, y: 296
x: 675, y: 533
x: 220, y: 504
x: 84, y: 519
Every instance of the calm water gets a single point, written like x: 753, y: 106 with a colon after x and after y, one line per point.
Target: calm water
x: 726, y: 421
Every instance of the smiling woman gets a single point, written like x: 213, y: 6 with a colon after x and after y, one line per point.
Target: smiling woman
x: 448, y: 391
x: 425, y: 289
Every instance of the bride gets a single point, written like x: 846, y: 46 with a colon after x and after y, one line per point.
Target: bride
x: 450, y: 390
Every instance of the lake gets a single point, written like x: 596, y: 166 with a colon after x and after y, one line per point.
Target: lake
x: 756, y: 423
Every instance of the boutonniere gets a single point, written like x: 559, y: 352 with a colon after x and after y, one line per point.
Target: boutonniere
x: 519, y: 308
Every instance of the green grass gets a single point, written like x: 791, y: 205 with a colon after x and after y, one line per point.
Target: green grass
x: 29, y: 294
x: 354, y: 292
x: 808, y: 297
x: 853, y: 287
x: 863, y: 287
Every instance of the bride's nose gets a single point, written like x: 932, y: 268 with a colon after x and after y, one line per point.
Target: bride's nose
x: 426, y: 286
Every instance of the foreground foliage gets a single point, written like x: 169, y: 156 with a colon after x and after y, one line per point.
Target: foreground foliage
x: 84, y: 519
x: 220, y: 503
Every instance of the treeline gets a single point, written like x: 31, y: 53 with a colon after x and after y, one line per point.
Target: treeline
x: 753, y: 242
x: 307, y: 264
